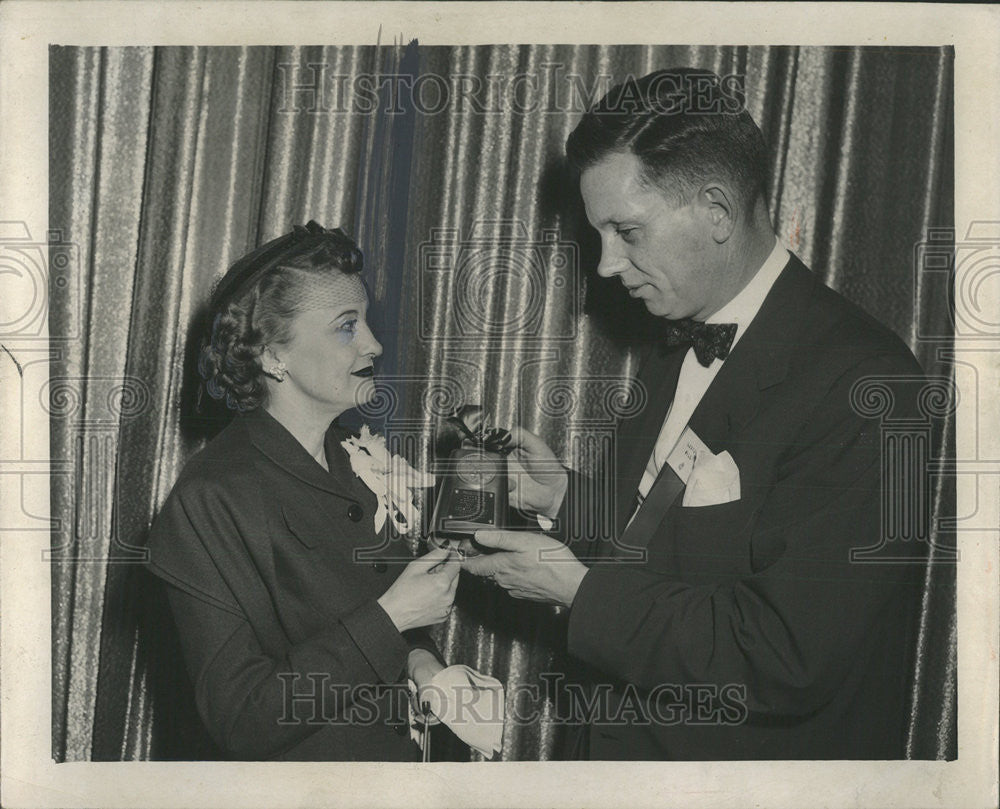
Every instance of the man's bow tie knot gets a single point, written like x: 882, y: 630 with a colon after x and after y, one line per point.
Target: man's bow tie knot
x: 710, y: 340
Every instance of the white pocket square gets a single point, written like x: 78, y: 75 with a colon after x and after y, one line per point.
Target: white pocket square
x: 715, y: 479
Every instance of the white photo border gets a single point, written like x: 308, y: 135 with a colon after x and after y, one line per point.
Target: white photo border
x: 29, y: 776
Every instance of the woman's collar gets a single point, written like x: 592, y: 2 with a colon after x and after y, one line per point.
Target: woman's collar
x: 274, y: 440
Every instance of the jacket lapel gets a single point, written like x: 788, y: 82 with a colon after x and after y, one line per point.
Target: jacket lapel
x: 269, y: 436
x: 758, y: 361
x: 658, y: 376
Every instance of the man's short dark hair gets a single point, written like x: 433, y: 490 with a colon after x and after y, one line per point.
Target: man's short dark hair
x: 685, y: 125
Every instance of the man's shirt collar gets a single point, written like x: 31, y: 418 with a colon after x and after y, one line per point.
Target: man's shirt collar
x: 742, y: 309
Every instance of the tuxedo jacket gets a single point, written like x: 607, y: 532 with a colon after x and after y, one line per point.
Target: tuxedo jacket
x: 744, y: 630
x: 273, y: 569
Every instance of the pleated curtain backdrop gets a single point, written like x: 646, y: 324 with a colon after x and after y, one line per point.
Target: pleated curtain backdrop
x: 168, y: 163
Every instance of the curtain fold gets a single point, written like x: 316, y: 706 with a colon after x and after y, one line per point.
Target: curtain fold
x: 168, y: 163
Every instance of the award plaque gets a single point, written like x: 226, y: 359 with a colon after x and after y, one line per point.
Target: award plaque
x: 473, y: 493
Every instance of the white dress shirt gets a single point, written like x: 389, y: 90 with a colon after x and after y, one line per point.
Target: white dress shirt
x: 695, y: 378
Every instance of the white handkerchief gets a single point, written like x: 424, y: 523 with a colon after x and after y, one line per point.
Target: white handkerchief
x: 471, y: 704
x: 714, y: 479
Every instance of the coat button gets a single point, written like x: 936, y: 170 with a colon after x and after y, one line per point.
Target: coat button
x: 355, y: 512
x: 380, y: 567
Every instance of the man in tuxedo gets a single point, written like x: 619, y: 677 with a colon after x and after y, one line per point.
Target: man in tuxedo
x: 726, y: 619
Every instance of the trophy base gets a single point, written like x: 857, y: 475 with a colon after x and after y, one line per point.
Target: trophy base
x: 464, y: 545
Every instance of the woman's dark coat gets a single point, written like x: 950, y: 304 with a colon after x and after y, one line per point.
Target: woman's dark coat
x: 273, y: 569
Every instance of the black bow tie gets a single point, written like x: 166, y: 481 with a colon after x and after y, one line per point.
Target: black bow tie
x: 710, y: 340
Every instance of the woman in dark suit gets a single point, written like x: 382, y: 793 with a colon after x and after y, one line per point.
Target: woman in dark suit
x: 299, y: 625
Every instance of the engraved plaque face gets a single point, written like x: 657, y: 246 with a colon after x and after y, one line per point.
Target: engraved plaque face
x: 476, y: 470
x: 472, y: 505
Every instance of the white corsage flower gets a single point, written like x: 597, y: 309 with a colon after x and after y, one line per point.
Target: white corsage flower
x: 390, y: 477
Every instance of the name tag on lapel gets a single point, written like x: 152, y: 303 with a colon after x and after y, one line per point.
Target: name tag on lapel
x: 682, y: 457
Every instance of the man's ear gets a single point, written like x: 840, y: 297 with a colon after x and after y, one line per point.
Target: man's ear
x: 719, y: 202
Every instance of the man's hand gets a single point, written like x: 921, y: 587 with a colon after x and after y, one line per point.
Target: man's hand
x: 530, y: 566
x: 537, y: 480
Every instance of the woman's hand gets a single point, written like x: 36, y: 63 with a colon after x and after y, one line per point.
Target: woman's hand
x: 421, y: 666
x: 424, y: 592
x: 537, y: 480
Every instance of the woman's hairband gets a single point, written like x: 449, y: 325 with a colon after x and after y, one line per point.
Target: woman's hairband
x: 253, y: 266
